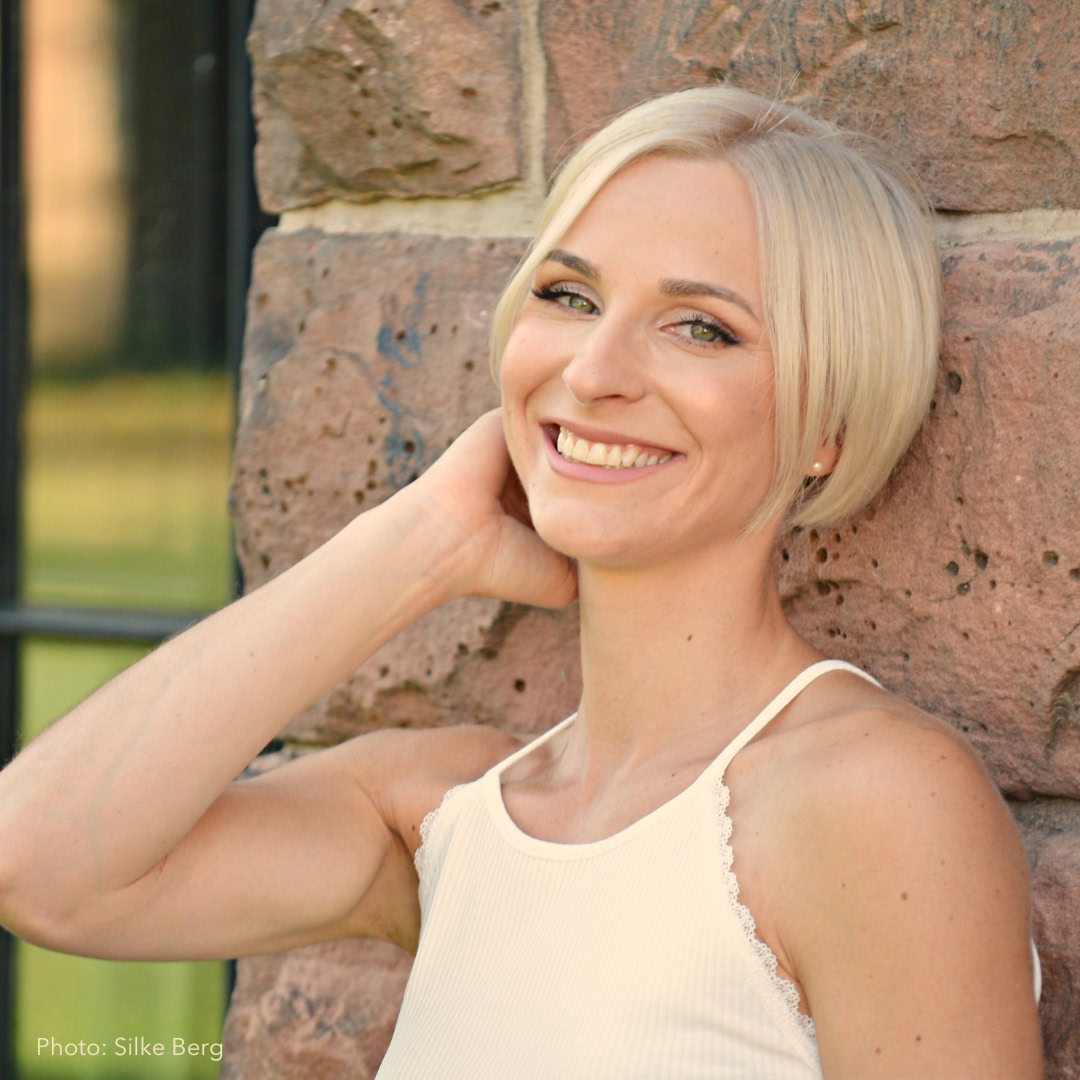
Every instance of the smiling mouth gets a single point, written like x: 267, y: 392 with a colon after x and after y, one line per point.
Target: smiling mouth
x: 607, y: 455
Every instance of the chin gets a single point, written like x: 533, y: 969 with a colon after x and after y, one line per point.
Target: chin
x: 604, y: 540
x: 575, y: 533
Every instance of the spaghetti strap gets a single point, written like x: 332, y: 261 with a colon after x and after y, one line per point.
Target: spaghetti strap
x: 531, y: 745
x: 785, y: 697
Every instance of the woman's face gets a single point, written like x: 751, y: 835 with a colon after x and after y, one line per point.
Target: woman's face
x: 642, y: 341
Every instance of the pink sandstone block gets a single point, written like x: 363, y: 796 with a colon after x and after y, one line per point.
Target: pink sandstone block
x: 983, y: 100
x: 372, y: 98
x: 960, y: 587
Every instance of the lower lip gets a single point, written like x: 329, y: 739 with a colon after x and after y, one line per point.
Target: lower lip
x: 578, y: 470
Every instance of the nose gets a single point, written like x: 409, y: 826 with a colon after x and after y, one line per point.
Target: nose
x: 607, y: 363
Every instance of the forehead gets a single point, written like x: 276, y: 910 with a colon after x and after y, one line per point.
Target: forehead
x: 671, y: 217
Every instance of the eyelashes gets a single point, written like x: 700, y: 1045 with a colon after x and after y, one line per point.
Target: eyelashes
x: 699, y: 328
x: 712, y: 326
x: 557, y: 293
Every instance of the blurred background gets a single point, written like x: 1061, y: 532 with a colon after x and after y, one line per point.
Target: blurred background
x: 128, y: 222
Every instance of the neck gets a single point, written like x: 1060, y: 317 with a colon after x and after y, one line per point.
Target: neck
x: 676, y: 658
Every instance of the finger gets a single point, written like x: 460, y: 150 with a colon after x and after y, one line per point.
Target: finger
x: 514, y: 500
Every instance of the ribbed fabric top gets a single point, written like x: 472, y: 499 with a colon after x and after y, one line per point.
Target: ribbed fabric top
x: 627, y: 957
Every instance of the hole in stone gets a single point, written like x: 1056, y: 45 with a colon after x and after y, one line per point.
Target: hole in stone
x: 952, y: 567
x: 982, y: 560
x: 964, y: 588
x: 954, y: 381
x: 409, y: 446
x: 1074, y: 573
x: 358, y: 495
x: 519, y: 685
x: 469, y: 365
x: 1050, y: 558
x: 468, y: 92
x: 822, y: 555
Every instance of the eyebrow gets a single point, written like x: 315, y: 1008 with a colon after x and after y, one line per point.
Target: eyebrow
x: 676, y: 287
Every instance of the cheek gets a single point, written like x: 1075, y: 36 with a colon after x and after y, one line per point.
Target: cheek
x: 525, y: 363
x: 518, y: 377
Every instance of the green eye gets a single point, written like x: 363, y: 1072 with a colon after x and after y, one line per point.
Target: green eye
x: 564, y: 297
x: 705, y: 332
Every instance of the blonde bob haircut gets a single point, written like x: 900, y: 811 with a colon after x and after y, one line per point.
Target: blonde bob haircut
x: 851, y: 281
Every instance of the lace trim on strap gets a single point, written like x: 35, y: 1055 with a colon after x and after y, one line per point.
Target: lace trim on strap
x: 426, y: 827
x: 785, y: 989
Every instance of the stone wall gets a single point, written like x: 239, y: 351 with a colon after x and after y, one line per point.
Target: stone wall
x: 406, y: 143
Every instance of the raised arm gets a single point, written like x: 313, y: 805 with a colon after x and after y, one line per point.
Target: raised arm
x: 119, y: 825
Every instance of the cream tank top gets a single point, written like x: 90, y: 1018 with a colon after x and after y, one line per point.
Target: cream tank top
x: 629, y: 957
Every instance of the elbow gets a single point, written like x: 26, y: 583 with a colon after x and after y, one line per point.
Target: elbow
x: 19, y: 914
x: 30, y: 910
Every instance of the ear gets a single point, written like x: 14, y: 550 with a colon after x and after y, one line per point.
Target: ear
x: 826, y: 456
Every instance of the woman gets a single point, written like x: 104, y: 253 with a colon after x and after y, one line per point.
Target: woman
x: 735, y: 859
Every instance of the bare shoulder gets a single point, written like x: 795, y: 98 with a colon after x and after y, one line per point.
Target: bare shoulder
x: 407, y: 771
x: 909, y: 930
x: 902, y: 770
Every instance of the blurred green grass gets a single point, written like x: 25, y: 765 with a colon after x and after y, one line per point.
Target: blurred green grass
x: 124, y: 491
x: 124, y: 506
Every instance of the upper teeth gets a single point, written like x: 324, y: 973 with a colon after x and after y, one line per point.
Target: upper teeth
x: 610, y: 455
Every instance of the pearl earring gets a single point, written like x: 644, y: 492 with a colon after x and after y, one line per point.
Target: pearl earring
x: 817, y: 466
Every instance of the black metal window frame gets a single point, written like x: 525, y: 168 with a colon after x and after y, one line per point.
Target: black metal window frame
x: 244, y: 223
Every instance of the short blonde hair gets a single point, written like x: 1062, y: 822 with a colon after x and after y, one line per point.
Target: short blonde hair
x: 851, y: 280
